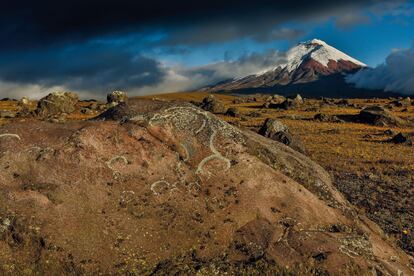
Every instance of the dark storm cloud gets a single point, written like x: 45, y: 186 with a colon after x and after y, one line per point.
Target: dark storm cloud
x: 28, y: 24
x: 65, y: 43
x: 90, y: 66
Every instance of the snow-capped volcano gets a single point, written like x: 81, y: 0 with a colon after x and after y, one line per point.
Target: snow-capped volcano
x: 318, y: 51
x: 307, y: 62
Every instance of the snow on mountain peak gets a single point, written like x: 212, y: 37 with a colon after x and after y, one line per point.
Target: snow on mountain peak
x: 316, y: 41
x: 317, y: 50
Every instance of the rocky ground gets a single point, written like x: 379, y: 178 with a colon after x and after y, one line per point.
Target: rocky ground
x: 373, y: 172
x: 161, y: 187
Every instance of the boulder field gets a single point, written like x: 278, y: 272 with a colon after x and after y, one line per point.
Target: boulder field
x: 155, y: 187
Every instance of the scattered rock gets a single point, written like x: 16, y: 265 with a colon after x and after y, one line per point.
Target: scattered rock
x: 23, y: 107
x: 87, y: 111
x: 252, y: 99
x: 287, y: 104
x: 274, y: 101
x: 239, y: 101
x: 379, y: 116
x: 279, y: 132
x: 271, y: 126
x: 290, y: 103
x: 233, y: 112
x: 278, y: 99
x: 213, y: 105
x: 321, y: 117
x: 102, y: 107
x: 402, y: 138
x: 266, y: 104
x: 327, y: 101
x: 343, y: 102
x: 116, y: 97
x: 254, y: 114
x: 402, y: 102
x: 390, y: 132
x: 298, y: 99
x: 57, y: 104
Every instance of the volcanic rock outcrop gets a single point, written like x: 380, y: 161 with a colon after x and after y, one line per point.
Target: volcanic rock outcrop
x: 57, y: 104
x: 162, y: 188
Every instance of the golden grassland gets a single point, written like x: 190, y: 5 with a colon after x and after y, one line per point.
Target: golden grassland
x: 336, y: 146
x: 76, y: 116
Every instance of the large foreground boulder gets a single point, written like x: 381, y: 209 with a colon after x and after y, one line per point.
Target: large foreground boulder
x: 379, y: 116
x: 171, y: 189
x: 56, y: 104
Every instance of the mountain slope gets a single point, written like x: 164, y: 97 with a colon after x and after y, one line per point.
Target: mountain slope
x: 308, y: 62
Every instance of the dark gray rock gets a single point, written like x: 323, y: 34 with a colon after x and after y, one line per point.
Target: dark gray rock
x: 379, y: 116
x: 402, y: 138
x: 233, y: 112
x: 213, y: 105
x: 279, y: 132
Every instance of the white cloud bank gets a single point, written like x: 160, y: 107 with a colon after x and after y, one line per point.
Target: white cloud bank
x: 395, y: 75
